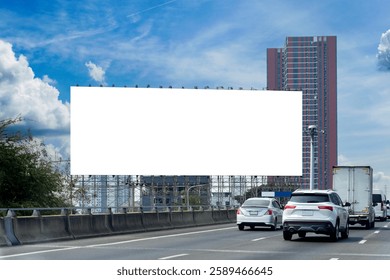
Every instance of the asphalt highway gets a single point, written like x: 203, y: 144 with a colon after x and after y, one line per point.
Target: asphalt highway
x: 217, y: 242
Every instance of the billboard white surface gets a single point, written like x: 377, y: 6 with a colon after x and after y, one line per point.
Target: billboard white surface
x: 150, y: 131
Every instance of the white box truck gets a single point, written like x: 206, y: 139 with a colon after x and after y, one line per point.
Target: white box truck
x: 354, y: 185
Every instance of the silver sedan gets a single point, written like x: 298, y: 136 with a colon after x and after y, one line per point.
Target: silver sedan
x: 260, y: 211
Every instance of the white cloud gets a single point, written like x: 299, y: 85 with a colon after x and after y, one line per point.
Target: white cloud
x: 48, y: 80
x: 32, y: 98
x: 143, y: 31
x: 382, y: 181
x: 343, y: 160
x: 96, y: 72
x: 384, y: 51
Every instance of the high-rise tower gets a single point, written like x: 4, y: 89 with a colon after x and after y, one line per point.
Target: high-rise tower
x: 309, y: 64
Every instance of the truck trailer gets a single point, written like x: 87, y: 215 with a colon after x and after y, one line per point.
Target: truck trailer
x: 354, y: 184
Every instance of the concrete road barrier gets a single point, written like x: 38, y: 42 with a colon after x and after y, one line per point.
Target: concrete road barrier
x: 188, y: 218
x: 55, y: 228
x: 156, y: 220
x: 9, y: 228
x: 89, y: 225
x: 35, y: 229
x: 127, y: 223
x: 3, y: 237
x: 41, y: 229
x: 182, y: 219
x: 28, y: 230
x: 203, y: 218
x: 220, y: 216
x: 232, y: 215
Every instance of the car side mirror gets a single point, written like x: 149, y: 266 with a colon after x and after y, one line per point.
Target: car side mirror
x: 374, y: 204
x: 347, y: 204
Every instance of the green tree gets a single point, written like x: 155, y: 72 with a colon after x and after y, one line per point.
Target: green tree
x: 27, y: 178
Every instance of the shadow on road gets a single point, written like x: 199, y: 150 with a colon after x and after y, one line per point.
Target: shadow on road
x: 324, y: 239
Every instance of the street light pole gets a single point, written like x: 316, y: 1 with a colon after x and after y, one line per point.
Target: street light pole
x: 188, y: 193
x: 312, y: 131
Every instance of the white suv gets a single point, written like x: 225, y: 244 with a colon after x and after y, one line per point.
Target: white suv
x: 379, y: 203
x: 317, y: 211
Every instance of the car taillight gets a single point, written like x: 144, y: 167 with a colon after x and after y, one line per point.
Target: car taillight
x: 238, y: 212
x: 289, y: 207
x: 269, y: 212
x: 330, y: 208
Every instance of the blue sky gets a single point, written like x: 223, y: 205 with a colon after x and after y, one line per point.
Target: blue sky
x: 48, y: 46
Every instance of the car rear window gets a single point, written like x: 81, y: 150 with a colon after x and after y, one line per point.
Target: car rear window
x: 376, y: 198
x: 254, y: 203
x: 309, y: 198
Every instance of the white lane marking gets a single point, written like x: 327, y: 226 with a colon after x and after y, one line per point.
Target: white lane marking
x: 38, y: 252
x: 368, y: 236
x: 172, y: 257
x: 266, y: 237
x: 156, y: 237
x: 334, y: 259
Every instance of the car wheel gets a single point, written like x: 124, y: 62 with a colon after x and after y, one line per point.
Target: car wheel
x: 287, y: 235
x: 345, y: 233
x: 336, y: 232
x: 241, y: 227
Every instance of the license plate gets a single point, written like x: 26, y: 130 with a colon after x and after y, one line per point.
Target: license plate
x: 253, y: 213
x: 307, y: 213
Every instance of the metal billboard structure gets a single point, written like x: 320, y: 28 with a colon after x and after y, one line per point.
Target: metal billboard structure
x: 150, y: 193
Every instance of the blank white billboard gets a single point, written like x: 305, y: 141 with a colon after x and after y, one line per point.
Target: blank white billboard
x: 149, y: 131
